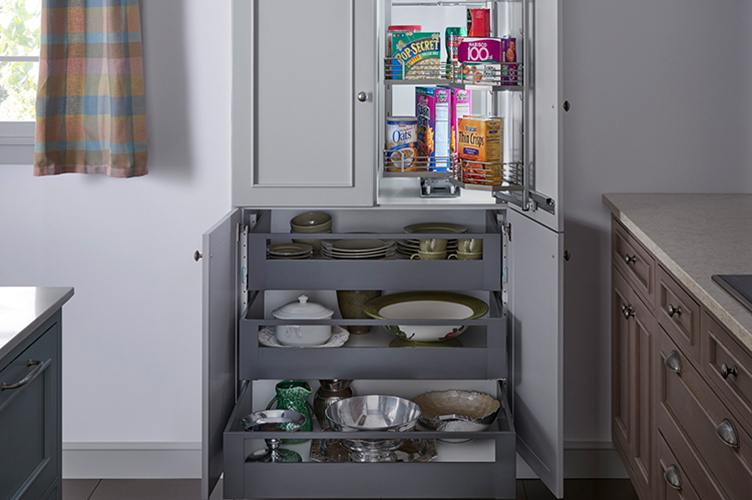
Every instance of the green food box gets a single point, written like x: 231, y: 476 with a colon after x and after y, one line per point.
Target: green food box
x: 416, y: 56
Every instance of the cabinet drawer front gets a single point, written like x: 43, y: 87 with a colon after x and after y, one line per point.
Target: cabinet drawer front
x: 634, y: 261
x: 689, y: 403
x: 670, y: 469
x: 28, y: 454
x: 679, y: 314
x: 727, y: 366
x: 693, y: 468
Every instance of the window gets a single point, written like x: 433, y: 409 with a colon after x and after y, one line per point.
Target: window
x: 20, y: 27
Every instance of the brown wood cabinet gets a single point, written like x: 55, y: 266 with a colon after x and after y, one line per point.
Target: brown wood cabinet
x: 681, y: 385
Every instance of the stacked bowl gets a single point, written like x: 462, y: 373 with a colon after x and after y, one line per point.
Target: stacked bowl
x: 311, y: 223
x: 412, y: 246
x: 289, y: 251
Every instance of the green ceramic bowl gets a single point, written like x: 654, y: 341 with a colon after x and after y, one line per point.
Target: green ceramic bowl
x: 426, y: 305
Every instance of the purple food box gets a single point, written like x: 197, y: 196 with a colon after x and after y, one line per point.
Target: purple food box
x: 509, y: 72
x: 481, y: 60
x: 432, y: 109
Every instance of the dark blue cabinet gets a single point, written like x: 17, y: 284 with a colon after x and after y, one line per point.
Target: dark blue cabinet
x: 30, y: 410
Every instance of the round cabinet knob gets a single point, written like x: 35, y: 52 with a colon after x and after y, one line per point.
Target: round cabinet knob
x: 727, y: 433
x: 197, y: 255
x: 628, y: 311
x: 674, y: 310
x: 630, y: 259
x: 726, y: 371
x: 362, y: 96
x: 673, y: 362
x: 672, y: 477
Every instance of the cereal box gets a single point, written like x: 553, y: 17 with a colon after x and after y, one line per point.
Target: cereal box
x: 432, y: 109
x: 480, y: 149
x: 460, y: 105
x: 416, y: 56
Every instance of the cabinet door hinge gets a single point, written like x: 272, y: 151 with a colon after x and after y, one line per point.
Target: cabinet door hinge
x: 506, y: 230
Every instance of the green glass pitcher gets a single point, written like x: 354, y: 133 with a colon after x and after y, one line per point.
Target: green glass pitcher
x: 293, y: 395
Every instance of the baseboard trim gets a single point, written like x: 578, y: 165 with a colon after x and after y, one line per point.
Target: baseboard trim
x: 182, y: 460
x: 132, y: 460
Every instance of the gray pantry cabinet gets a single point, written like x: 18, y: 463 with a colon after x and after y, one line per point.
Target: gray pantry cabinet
x: 310, y: 100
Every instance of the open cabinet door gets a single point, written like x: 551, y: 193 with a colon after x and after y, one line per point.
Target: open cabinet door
x: 219, y: 324
x: 545, y: 103
x: 535, y: 321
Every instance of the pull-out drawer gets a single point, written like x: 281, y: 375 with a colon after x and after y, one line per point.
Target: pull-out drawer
x: 482, y: 468
x: 674, y: 484
x: 686, y: 401
x: 679, y: 314
x: 634, y: 261
x: 727, y: 366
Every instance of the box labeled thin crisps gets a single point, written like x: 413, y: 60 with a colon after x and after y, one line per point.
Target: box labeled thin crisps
x: 432, y: 109
x: 416, y: 56
x: 479, y: 142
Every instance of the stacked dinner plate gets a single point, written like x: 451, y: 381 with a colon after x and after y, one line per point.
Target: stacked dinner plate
x: 410, y: 247
x: 289, y: 251
x: 358, y: 249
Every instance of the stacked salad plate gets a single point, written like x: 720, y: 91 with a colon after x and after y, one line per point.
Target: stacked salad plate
x: 412, y: 246
x: 289, y: 251
x: 358, y: 249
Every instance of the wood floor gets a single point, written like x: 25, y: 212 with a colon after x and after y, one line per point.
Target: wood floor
x: 190, y: 489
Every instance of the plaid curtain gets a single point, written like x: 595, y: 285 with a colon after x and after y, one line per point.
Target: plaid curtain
x: 91, y: 116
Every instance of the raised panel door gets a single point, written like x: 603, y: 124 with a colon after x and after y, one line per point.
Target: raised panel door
x: 304, y: 80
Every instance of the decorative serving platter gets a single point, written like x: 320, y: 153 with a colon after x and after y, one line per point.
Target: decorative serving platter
x: 268, y: 338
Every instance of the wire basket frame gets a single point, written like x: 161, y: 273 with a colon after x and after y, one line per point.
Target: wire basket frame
x: 503, y: 176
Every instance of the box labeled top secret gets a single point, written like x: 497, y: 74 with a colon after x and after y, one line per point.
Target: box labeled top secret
x: 416, y: 56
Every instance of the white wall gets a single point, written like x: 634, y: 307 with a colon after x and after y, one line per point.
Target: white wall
x: 660, y: 103
x: 132, y: 332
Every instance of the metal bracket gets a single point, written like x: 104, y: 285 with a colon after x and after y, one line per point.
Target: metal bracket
x: 243, y: 231
x: 438, y: 187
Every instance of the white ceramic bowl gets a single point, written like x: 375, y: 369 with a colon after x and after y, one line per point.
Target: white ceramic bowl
x: 426, y: 305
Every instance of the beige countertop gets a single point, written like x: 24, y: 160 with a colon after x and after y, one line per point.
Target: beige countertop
x: 696, y: 236
x: 24, y: 308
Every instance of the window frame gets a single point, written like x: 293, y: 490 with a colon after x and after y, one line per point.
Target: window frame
x: 17, y: 137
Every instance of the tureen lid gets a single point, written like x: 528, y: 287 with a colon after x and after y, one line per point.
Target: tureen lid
x: 302, y: 309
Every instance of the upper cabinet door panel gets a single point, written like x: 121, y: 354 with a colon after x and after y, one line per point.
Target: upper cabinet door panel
x: 546, y: 99
x: 301, y: 135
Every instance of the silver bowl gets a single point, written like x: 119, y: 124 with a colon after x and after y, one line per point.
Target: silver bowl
x: 373, y: 413
x: 457, y: 411
x: 273, y: 420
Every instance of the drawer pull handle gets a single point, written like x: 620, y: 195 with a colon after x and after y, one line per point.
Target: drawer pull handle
x: 627, y: 311
x: 672, y: 477
x: 674, y: 310
x: 726, y: 371
x: 673, y: 362
x: 727, y: 433
x: 28, y: 378
x: 630, y: 259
